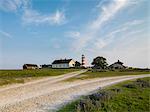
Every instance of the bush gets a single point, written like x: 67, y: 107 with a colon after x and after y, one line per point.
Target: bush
x: 142, y: 83
x: 85, y: 105
x: 138, y: 83
x: 93, y: 101
x: 130, y: 86
x: 116, y: 90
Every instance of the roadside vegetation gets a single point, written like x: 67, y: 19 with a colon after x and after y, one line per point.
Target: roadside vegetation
x: 128, y: 96
x: 109, y: 73
x: 20, y: 76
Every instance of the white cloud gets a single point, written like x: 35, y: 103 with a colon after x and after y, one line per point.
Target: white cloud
x: 135, y: 2
x: 5, y: 34
x: 31, y: 16
x: 89, y: 40
x: 108, y: 12
x: 12, y: 5
x: 124, y: 27
x: 34, y: 17
x: 99, y: 43
x: 132, y: 23
x: 100, y: 3
x: 105, y: 14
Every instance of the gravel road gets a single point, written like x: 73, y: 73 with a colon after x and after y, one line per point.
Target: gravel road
x: 49, y: 94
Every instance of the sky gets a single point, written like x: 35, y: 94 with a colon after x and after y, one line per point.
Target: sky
x: 40, y: 31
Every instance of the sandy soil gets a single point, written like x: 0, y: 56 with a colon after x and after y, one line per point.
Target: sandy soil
x: 46, y: 95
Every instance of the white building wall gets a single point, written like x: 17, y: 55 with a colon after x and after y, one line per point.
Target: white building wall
x: 72, y: 63
x: 65, y: 65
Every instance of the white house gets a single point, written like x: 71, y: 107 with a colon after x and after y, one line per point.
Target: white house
x: 63, y: 63
x: 117, y: 65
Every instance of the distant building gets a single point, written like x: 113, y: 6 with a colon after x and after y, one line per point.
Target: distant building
x: 117, y: 65
x: 46, y: 66
x: 63, y: 63
x: 30, y: 66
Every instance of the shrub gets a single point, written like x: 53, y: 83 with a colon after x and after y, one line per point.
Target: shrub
x: 116, y: 90
x: 130, y: 86
x: 93, y: 101
x: 138, y: 83
x: 143, y: 83
x: 85, y: 105
x: 102, y: 95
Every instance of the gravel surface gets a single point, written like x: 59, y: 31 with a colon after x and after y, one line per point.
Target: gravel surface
x: 49, y: 94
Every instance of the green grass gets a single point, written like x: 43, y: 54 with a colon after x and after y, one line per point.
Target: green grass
x: 128, y: 96
x: 19, y: 76
x: 96, y: 74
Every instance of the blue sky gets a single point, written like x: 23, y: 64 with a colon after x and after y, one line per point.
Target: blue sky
x: 39, y: 31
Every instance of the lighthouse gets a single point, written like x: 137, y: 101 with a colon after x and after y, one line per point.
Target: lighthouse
x: 83, y: 61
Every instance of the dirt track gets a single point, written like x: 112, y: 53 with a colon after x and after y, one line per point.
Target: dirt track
x: 48, y: 94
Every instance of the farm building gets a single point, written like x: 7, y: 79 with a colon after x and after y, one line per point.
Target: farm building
x: 63, y: 63
x: 46, y: 66
x: 117, y: 65
x: 30, y: 66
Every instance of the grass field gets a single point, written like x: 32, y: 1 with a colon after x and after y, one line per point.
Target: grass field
x: 20, y: 76
x: 129, y: 96
x: 96, y: 74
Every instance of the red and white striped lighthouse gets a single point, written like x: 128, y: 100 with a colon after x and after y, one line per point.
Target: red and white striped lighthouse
x: 83, y: 60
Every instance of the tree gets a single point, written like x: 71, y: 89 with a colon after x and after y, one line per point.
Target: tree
x: 100, y: 62
x: 77, y: 64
